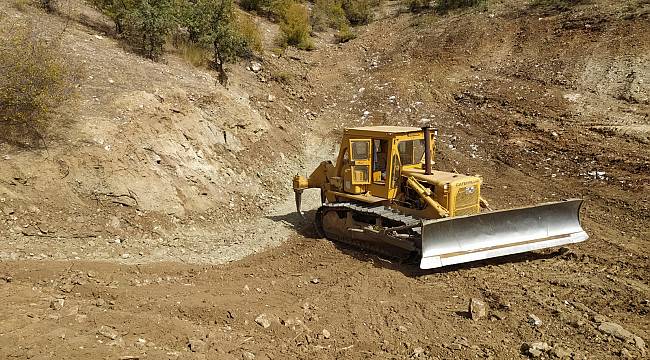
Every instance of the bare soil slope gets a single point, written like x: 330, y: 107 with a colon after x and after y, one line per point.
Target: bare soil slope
x: 150, y: 153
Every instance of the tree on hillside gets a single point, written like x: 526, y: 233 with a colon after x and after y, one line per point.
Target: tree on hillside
x: 147, y: 25
x: 218, y: 29
x: 116, y: 10
x: 143, y: 23
x: 207, y: 24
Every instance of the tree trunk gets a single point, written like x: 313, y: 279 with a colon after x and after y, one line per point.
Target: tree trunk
x: 218, y: 62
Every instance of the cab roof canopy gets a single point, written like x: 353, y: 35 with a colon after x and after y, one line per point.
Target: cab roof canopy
x: 382, y: 130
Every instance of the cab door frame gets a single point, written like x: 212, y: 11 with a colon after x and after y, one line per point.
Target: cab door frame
x: 383, y: 189
x: 360, y: 163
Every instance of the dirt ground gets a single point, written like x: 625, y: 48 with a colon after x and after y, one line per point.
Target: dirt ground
x: 544, y: 103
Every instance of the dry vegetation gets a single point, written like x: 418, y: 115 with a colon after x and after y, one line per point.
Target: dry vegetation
x: 204, y: 32
x: 295, y: 27
x: 35, y: 79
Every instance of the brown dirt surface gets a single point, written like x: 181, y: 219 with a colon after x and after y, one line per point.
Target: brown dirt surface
x: 131, y: 235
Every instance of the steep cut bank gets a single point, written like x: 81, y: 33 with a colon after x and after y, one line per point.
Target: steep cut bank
x: 153, y: 153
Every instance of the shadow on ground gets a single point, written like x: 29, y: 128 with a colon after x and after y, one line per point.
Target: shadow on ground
x: 409, y: 267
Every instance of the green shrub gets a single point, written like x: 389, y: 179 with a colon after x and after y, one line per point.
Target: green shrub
x: 255, y: 5
x: 48, y: 5
x: 345, y: 34
x: 144, y: 24
x: 201, y: 31
x: 34, y: 81
x: 116, y: 10
x: 148, y: 24
x: 295, y: 27
x: 358, y: 12
x: 221, y: 32
x: 443, y: 6
x: 273, y: 9
x: 189, y: 19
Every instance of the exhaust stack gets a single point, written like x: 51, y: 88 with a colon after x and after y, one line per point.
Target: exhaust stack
x: 427, y: 145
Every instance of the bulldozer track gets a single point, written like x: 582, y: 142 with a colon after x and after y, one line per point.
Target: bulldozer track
x: 384, y: 212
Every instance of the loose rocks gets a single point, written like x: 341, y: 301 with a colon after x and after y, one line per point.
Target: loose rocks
x: 108, y: 332
x: 615, y: 330
x: 264, y: 320
x: 197, y: 345
x: 621, y: 333
x: 477, y: 309
x: 534, y: 320
x: 534, y: 349
x: 57, y: 304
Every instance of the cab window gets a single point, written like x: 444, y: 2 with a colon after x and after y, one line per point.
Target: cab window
x: 411, y: 151
x: 360, y: 149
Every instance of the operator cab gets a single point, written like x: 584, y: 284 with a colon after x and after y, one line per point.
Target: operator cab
x: 373, y: 157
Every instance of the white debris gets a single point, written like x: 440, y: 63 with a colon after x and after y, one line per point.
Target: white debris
x: 534, y: 320
x: 263, y: 320
x: 108, y: 332
x: 572, y: 97
x: 255, y: 66
x: 600, y: 175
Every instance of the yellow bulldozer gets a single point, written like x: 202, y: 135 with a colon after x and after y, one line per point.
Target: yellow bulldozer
x: 383, y: 195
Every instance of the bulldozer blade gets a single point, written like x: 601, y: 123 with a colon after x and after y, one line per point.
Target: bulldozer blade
x: 476, y: 237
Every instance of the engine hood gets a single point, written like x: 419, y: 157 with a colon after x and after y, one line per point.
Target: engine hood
x: 441, y: 177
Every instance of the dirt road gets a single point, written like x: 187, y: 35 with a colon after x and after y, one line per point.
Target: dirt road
x: 322, y: 301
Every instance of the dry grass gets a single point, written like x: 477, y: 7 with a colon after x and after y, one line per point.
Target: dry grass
x: 191, y: 52
x: 246, y: 27
x: 295, y: 27
x: 35, y: 79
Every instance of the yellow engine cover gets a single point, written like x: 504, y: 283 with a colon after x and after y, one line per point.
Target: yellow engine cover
x: 464, y: 196
x: 459, y: 194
